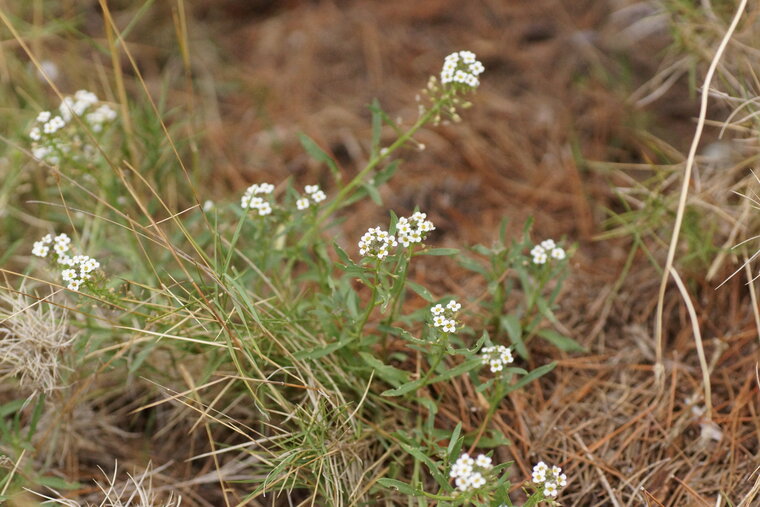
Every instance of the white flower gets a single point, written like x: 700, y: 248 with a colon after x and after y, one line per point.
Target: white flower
x: 208, y: 205
x: 34, y: 134
x: 43, y: 116
x: 483, y: 461
x: 61, y: 248
x: 550, y: 489
x: 450, y: 326
x: 68, y: 275
x: 453, y: 306
x: 74, y: 285
x: 65, y: 260
x: 537, y: 250
x: 251, y: 199
x: 466, y: 459
x: 40, y: 249
x: 477, y: 480
x: 463, y: 68
x: 540, y: 258
x: 558, y: 253
x: 413, y: 229
x: 463, y: 483
x: 376, y: 243
x: 556, y: 470
x: 310, y: 189
x: 265, y: 209
x: 541, y: 466
x: 437, y: 310
x: 318, y: 196
x: 496, y: 357
x: 561, y: 480
x: 62, y: 239
x: 548, y: 244
x: 440, y: 320
x: 539, y: 476
x: 302, y: 204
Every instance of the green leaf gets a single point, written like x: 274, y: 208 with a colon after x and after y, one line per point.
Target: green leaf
x: 399, y: 486
x: 418, y: 454
x: 511, y: 324
x: 471, y: 264
x: 402, y: 390
x: 458, y: 370
x: 421, y: 291
x: 530, y: 377
x: 317, y: 352
x: 371, y: 190
x: 439, y: 251
x: 318, y: 154
x: 57, y: 483
x: 386, y: 173
x: 451, y: 449
x: 560, y: 341
x: 386, y: 372
x: 377, y: 123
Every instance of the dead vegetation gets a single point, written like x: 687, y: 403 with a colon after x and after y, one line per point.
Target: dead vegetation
x: 586, y: 113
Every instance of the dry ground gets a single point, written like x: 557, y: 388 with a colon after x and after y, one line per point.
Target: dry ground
x: 554, y: 97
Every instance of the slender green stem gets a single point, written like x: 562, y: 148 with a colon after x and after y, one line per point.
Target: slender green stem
x: 436, y: 361
x: 438, y: 497
x: 345, y: 192
x: 493, y: 405
x: 371, y: 304
x: 398, y: 291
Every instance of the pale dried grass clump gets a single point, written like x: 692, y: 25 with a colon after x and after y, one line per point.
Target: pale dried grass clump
x: 33, y: 336
x: 137, y: 491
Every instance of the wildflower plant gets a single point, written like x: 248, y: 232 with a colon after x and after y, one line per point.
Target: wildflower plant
x: 546, y: 481
x: 321, y: 335
x: 77, y: 271
x: 60, y: 136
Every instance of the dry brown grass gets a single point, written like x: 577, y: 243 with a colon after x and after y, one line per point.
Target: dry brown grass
x: 556, y: 95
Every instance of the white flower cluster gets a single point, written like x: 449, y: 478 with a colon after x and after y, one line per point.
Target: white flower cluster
x: 545, y: 249
x: 54, y: 136
x: 445, y: 317
x: 497, y: 357
x: 76, y: 270
x: 251, y: 198
x: 312, y: 191
x: 468, y: 473
x: 462, y: 67
x: 376, y: 243
x: 550, y: 478
x: 413, y: 229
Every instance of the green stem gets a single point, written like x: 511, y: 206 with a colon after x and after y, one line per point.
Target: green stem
x: 433, y: 365
x: 371, y: 304
x: 346, y: 191
x: 493, y: 406
x: 398, y: 290
x: 438, y: 497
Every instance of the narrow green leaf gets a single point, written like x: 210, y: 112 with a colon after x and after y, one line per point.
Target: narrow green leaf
x: 530, y: 377
x: 318, y: 154
x: 403, y: 389
x: 560, y: 341
x: 373, y: 193
x: 458, y: 370
x: 511, y: 324
x: 385, y: 371
x: 421, y: 291
x: 399, y: 486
